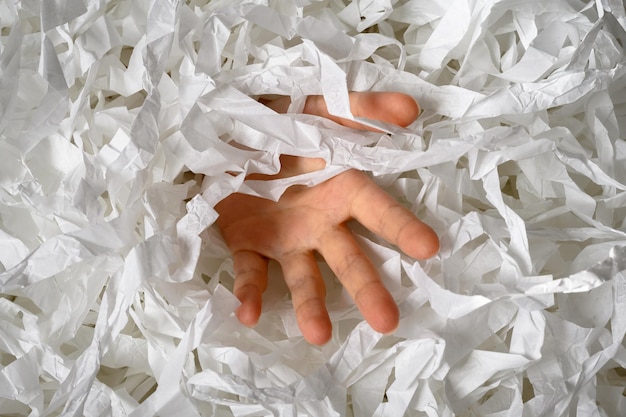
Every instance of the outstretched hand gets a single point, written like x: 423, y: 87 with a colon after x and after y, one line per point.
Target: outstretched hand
x: 306, y: 220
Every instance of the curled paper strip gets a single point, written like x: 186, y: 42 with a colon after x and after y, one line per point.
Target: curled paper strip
x: 117, y: 120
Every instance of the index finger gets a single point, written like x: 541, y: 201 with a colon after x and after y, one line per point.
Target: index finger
x: 380, y: 213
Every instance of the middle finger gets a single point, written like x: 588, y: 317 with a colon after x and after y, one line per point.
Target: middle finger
x: 360, y: 278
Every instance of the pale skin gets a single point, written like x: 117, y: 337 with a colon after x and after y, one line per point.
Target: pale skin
x: 309, y: 220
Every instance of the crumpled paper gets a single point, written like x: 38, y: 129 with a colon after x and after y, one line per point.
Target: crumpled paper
x: 117, y: 120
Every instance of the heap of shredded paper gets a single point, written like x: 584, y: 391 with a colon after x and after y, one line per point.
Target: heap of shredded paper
x: 116, y: 118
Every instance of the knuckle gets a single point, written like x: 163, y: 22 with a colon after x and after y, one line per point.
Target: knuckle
x: 311, y: 305
x: 363, y: 291
x: 349, y: 262
x: 242, y: 271
x: 308, y: 284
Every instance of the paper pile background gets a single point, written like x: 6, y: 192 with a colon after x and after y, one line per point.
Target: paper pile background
x: 115, y: 284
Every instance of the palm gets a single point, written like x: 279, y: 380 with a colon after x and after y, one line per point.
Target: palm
x: 298, y: 221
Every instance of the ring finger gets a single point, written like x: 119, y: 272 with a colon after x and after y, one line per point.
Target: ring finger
x: 308, y: 294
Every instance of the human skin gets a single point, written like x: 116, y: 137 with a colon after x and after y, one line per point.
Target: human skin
x: 306, y: 220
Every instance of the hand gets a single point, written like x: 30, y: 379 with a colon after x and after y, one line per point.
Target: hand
x: 307, y: 220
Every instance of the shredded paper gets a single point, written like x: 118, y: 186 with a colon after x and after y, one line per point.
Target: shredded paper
x: 117, y: 123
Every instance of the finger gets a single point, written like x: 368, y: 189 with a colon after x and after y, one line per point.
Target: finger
x: 250, y: 283
x: 360, y: 279
x: 308, y: 294
x: 383, y: 215
x: 390, y: 107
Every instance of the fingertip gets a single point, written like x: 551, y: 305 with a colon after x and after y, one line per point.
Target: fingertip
x: 403, y: 108
x: 418, y: 240
x: 431, y: 245
x: 392, y: 331
x: 392, y: 107
x: 249, y: 312
x: 379, y: 309
x: 388, y: 321
x: 319, y: 336
x: 246, y: 316
x: 317, y: 330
